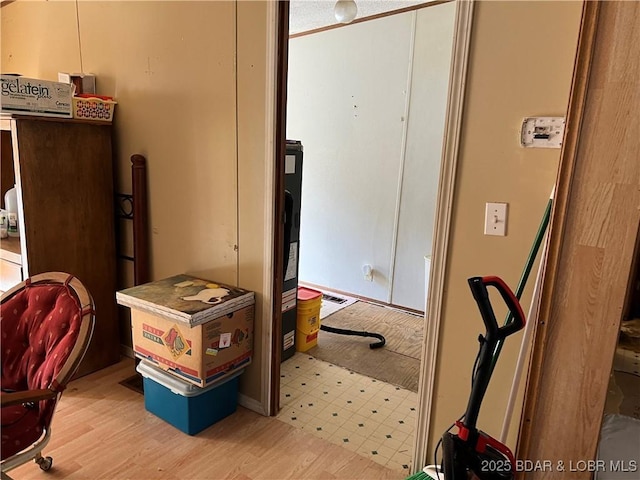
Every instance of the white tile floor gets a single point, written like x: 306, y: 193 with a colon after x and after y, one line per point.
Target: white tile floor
x: 372, y: 418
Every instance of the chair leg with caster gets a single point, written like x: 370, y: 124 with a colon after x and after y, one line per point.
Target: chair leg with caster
x: 45, y: 463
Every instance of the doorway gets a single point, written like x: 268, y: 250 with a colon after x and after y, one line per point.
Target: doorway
x: 406, y: 147
x: 368, y: 102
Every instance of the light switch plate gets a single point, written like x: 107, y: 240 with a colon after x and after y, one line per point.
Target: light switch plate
x: 495, y: 219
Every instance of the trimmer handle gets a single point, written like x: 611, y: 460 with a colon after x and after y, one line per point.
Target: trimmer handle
x: 478, y: 287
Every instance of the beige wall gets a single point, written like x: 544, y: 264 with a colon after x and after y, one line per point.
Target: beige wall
x: 171, y: 67
x: 255, y: 173
x: 520, y: 64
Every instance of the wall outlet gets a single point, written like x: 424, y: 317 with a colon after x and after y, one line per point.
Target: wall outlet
x: 367, y: 271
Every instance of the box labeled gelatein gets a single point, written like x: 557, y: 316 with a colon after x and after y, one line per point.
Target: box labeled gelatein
x: 30, y: 96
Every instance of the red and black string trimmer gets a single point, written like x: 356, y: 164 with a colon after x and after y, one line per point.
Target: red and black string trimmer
x: 471, y: 453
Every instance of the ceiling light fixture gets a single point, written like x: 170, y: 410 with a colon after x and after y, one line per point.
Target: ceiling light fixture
x: 345, y: 11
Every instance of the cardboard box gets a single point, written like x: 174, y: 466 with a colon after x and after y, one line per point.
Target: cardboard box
x: 202, y: 354
x: 186, y: 299
x: 29, y: 96
x: 82, y: 82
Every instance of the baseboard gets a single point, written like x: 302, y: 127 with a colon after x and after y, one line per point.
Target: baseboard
x: 363, y: 298
x: 251, y: 404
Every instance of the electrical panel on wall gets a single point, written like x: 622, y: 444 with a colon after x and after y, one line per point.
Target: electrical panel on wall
x: 542, y: 132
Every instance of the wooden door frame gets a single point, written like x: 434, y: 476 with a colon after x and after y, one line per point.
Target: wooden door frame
x: 444, y: 209
x: 554, y: 433
x: 568, y: 158
x: 442, y: 224
x: 273, y: 355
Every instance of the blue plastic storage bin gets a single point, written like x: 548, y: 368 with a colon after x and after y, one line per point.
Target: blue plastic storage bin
x: 185, y: 406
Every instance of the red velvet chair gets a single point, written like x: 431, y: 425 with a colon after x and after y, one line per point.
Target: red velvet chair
x: 46, y: 324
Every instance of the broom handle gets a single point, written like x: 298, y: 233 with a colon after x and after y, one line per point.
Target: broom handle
x: 531, y: 316
x: 542, y: 229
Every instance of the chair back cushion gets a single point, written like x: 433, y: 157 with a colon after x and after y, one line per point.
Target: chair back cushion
x: 40, y: 325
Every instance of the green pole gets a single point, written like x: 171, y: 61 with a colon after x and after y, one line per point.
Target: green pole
x: 527, y: 270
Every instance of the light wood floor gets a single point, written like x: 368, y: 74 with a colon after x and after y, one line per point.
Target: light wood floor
x: 101, y: 430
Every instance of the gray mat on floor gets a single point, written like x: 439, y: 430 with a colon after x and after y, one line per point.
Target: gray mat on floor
x: 398, y: 362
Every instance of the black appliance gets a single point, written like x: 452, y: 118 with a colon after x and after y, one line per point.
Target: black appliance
x: 291, y: 245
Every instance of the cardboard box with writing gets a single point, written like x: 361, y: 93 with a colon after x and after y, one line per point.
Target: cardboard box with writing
x: 200, y: 351
x: 31, y: 96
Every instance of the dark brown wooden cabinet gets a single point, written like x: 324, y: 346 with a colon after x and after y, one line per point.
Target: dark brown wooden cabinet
x: 63, y: 172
